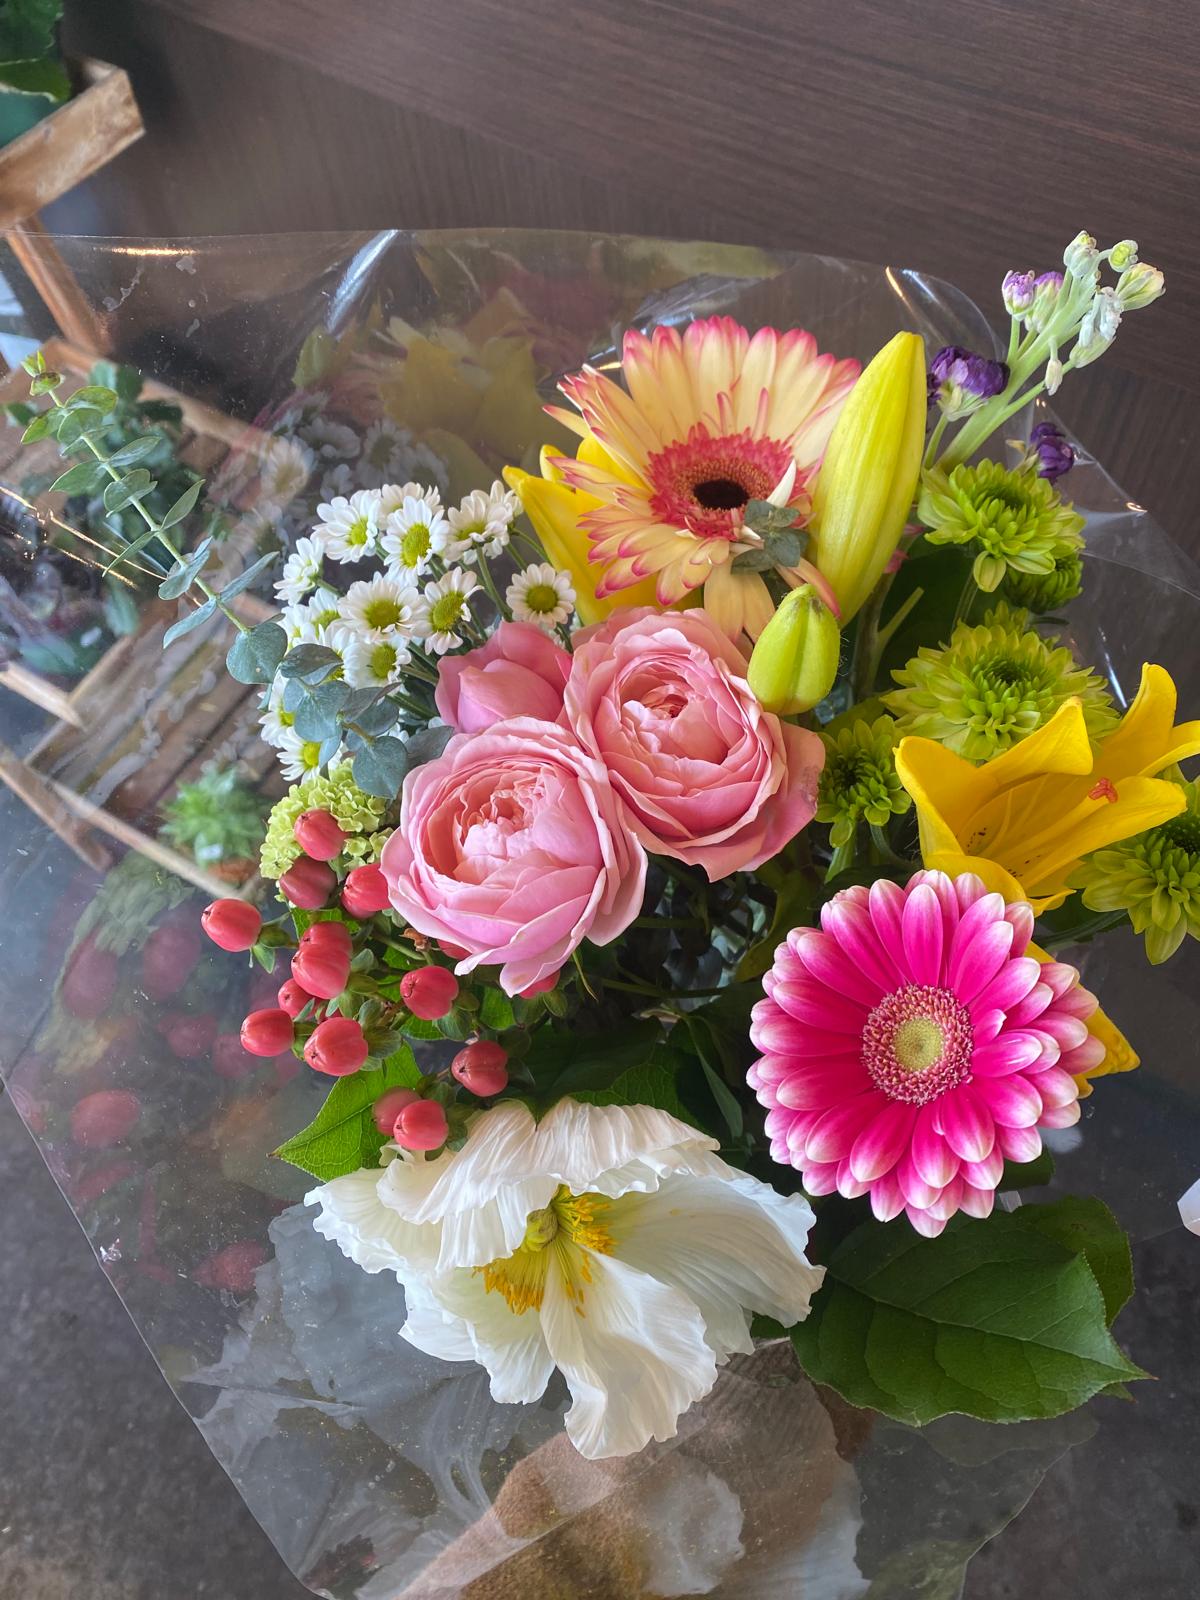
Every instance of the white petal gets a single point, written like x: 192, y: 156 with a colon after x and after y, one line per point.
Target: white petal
x: 1189, y: 1208
x: 635, y: 1357
x: 369, y: 1232
x: 455, y: 1318
x: 731, y: 1247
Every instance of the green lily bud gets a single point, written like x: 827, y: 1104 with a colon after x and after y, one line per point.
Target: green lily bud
x: 796, y: 658
x: 865, y: 487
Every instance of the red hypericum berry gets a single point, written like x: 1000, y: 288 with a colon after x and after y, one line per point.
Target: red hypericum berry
x: 308, y: 883
x: 365, y: 892
x: 328, y: 936
x: 318, y: 835
x: 230, y: 1060
x: 187, y: 1037
x: 232, y: 1268
x: 542, y: 986
x: 267, y: 1033
x: 323, y: 971
x: 421, y: 1125
x: 337, y: 1046
x: 233, y: 924
x: 482, y: 1068
x: 429, y: 992
x: 169, y: 957
x: 389, y: 1106
x: 292, y: 998
x: 90, y: 981
x: 105, y: 1118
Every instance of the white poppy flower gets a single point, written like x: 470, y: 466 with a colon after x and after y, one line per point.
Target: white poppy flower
x: 609, y: 1241
x: 542, y: 595
x: 349, y: 528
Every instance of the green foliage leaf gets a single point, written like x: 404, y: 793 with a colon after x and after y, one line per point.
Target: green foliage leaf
x: 246, y: 578
x: 83, y: 478
x: 27, y: 28
x: 379, y: 768
x: 563, y: 1063
x: 123, y: 490
x: 137, y: 450
x: 1027, y: 1174
x: 342, y: 1137
x: 96, y: 395
x: 254, y: 656
x: 45, y: 77
x: 1086, y: 1227
x: 75, y: 423
x: 311, y: 662
x: 316, y: 715
x: 183, y: 505
x: 39, y: 428
x: 650, y: 1085
x: 999, y: 1319
x: 181, y: 577
x: 193, y: 620
x: 495, y: 1010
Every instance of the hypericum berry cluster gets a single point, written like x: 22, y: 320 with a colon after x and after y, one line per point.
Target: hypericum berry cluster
x: 333, y: 1012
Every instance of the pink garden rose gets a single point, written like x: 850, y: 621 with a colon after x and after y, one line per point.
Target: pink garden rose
x: 513, y: 847
x: 705, y: 774
x: 519, y: 672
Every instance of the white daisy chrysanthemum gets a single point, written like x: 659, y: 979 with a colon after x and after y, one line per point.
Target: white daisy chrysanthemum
x: 297, y: 625
x: 374, y: 663
x: 301, y: 571
x: 337, y: 481
x: 541, y: 594
x: 331, y: 441
x: 284, y: 468
x: 321, y: 611
x: 379, y: 608
x: 298, y: 757
x: 276, y: 723
x: 393, y: 495
x: 481, y: 522
x: 610, y: 1242
x: 386, y: 452
x: 349, y: 528
x: 447, y: 609
x: 414, y: 535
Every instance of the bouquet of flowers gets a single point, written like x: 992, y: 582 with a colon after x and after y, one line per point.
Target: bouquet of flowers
x: 729, y: 765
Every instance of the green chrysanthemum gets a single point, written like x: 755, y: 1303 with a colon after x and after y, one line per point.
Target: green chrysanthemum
x: 1155, y: 877
x: 991, y: 686
x: 1046, y: 591
x: 1014, y: 521
x: 859, y: 781
x: 356, y: 813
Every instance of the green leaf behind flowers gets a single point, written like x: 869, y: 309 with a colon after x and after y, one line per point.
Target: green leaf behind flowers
x: 342, y: 1137
x: 1004, y: 1319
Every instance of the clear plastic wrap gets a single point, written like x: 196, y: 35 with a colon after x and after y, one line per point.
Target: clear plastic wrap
x: 377, y: 1471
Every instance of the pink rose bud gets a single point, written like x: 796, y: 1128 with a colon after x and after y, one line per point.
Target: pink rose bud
x: 169, y: 957
x: 323, y: 969
x: 519, y: 672
x: 389, y: 1106
x: 338, y: 1047
x: 429, y: 992
x: 308, y: 883
x: 267, y: 1033
x: 292, y: 998
x: 365, y: 892
x: 482, y: 1068
x: 188, y: 1037
x: 318, y: 835
x: 421, y: 1125
x: 232, y: 924
x: 230, y: 1059
x: 90, y: 981
x: 103, y: 1119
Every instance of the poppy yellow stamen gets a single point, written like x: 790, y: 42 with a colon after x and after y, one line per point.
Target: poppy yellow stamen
x: 560, y: 1235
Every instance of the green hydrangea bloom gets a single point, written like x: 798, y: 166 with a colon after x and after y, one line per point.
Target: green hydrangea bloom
x: 1155, y: 877
x: 991, y: 686
x: 859, y: 782
x: 355, y: 812
x: 1046, y: 591
x: 1013, y: 520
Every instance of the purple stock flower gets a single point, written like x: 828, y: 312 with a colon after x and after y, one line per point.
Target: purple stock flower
x: 1055, y: 455
x: 1017, y: 290
x: 960, y: 380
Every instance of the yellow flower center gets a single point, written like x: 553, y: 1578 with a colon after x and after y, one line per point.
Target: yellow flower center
x: 414, y: 546
x: 446, y: 611
x: 542, y: 598
x: 559, y: 1236
x: 918, y: 1044
x: 381, y: 611
x: 359, y: 532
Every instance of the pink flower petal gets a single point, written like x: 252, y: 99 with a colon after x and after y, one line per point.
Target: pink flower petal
x: 977, y: 1202
x: 1061, y: 1116
x: 1061, y: 977
x: 833, y: 1135
x: 818, y: 1088
x: 1029, y: 1009
x: 1050, y: 1048
x: 975, y: 964
x: 947, y: 1203
x: 1012, y: 1051
x: 914, y: 1188
x: 847, y: 1184
x: 812, y: 1002
x: 932, y: 1156
x: 803, y: 1123
x: 882, y: 1142
x: 1019, y: 1144
x: 829, y: 964
x: 987, y: 1025
x: 924, y: 1223
x: 852, y: 927
x: 943, y: 887
x: 967, y: 1123
x: 1012, y: 1101
x: 1056, y: 1087
x: 887, y: 1201
x: 781, y: 1037
x: 984, y: 1174
x: 1079, y: 1002
x: 820, y: 1178
x: 1020, y: 914
x: 1085, y: 1058
x: 1069, y: 1031
x: 887, y: 911
x: 1012, y: 983
x: 923, y: 933
x: 969, y: 887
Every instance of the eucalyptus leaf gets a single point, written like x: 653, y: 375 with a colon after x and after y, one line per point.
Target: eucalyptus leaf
x: 37, y: 429
x: 254, y: 655
x: 428, y: 745
x: 379, y: 767
x: 374, y: 720
x: 96, y: 395
x: 76, y: 422
x: 137, y: 450
x: 83, y: 478
x: 316, y: 715
x: 181, y: 577
x: 183, y: 505
x: 192, y: 620
x: 756, y: 560
x: 329, y: 749
x: 123, y: 490
x: 312, y: 662
x: 786, y: 547
x: 246, y: 578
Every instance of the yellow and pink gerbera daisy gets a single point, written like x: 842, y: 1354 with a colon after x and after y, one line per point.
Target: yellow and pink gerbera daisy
x: 714, y: 417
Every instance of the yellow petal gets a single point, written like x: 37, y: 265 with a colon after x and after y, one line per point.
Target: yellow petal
x: 947, y: 790
x: 1141, y: 803
x: 1147, y: 739
x: 595, y: 455
x: 955, y: 862
x: 1060, y: 745
x: 738, y: 602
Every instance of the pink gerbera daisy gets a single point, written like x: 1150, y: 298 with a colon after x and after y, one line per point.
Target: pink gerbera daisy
x: 713, y: 419
x: 910, y: 1045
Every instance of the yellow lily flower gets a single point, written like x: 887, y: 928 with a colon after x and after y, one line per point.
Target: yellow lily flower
x: 555, y: 509
x: 1119, y: 1054
x: 1024, y: 820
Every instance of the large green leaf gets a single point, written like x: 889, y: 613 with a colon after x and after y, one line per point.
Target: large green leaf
x: 998, y: 1319
x: 650, y: 1085
x: 342, y: 1137
x: 563, y: 1062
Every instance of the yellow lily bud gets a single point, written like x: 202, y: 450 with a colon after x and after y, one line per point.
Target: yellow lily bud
x: 795, y: 660
x: 554, y: 509
x: 866, y: 484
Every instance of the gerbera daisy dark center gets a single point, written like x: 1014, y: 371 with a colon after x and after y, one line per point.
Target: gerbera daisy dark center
x: 700, y: 482
x: 721, y: 494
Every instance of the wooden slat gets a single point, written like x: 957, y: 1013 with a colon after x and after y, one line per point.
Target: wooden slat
x: 55, y: 283
x: 70, y: 144
x: 43, y: 799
